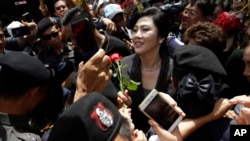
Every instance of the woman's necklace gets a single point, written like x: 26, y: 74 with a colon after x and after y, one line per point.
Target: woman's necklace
x: 151, y: 69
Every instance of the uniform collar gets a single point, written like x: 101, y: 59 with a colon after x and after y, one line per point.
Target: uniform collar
x: 19, y: 122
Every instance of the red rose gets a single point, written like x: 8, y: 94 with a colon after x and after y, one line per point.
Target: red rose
x: 229, y: 23
x: 115, y: 56
x: 117, y: 66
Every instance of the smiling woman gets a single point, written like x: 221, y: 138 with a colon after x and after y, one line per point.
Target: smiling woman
x: 150, y: 30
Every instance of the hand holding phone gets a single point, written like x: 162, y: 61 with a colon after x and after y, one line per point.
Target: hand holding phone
x: 157, y: 106
x: 20, y: 31
x: 85, y: 38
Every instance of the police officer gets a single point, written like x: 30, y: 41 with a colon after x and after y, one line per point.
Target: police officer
x: 23, y: 85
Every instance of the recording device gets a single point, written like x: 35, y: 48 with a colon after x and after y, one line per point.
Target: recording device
x: 20, y: 31
x: 173, y: 43
x: 124, y: 35
x: 173, y: 8
x: 83, y: 33
x: 156, y: 107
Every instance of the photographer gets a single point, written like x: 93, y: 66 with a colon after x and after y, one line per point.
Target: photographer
x: 18, y: 43
x: 115, y: 13
x: 24, y: 40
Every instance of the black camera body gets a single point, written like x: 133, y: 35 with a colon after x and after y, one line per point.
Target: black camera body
x: 20, y: 31
x: 173, y: 8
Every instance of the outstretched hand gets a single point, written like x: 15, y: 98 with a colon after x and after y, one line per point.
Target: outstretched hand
x: 110, y: 25
x: 163, y: 134
x: 138, y: 135
x: 94, y: 75
x: 123, y: 98
x: 244, y: 115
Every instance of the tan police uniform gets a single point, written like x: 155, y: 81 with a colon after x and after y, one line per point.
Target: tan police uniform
x: 17, y: 128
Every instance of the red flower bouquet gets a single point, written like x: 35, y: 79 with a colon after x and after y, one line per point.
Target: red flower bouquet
x: 124, y: 82
x: 229, y: 23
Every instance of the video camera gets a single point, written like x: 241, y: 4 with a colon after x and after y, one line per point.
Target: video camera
x: 173, y: 10
x: 173, y: 7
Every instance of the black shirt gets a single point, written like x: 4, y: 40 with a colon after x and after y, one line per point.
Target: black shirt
x: 62, y: 64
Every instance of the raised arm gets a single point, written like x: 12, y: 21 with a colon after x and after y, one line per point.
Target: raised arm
x: 43, y: 8
x: 188, y: 126
x: 94, y: 75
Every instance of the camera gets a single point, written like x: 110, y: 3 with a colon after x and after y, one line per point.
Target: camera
x: 20, y: 31
x: 173, y: 8
x: 16, y: 29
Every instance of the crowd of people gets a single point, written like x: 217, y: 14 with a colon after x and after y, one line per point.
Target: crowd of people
x: 58, y: 81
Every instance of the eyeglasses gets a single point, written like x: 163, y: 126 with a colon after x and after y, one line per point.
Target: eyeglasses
x: 190, y: 12
x: 48, y: 37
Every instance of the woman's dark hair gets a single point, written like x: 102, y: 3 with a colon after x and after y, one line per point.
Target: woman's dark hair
x: 160, y: 19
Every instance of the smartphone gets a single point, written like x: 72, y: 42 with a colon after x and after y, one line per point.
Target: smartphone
x: 156, y: 107
x: 84, y: 35
x: 20, y: 31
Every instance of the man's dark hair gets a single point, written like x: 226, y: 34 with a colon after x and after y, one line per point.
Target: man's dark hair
x: 76, y: 13
x: 206, y: 6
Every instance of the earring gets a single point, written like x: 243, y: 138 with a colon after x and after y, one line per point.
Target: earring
x: 161, y: 40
